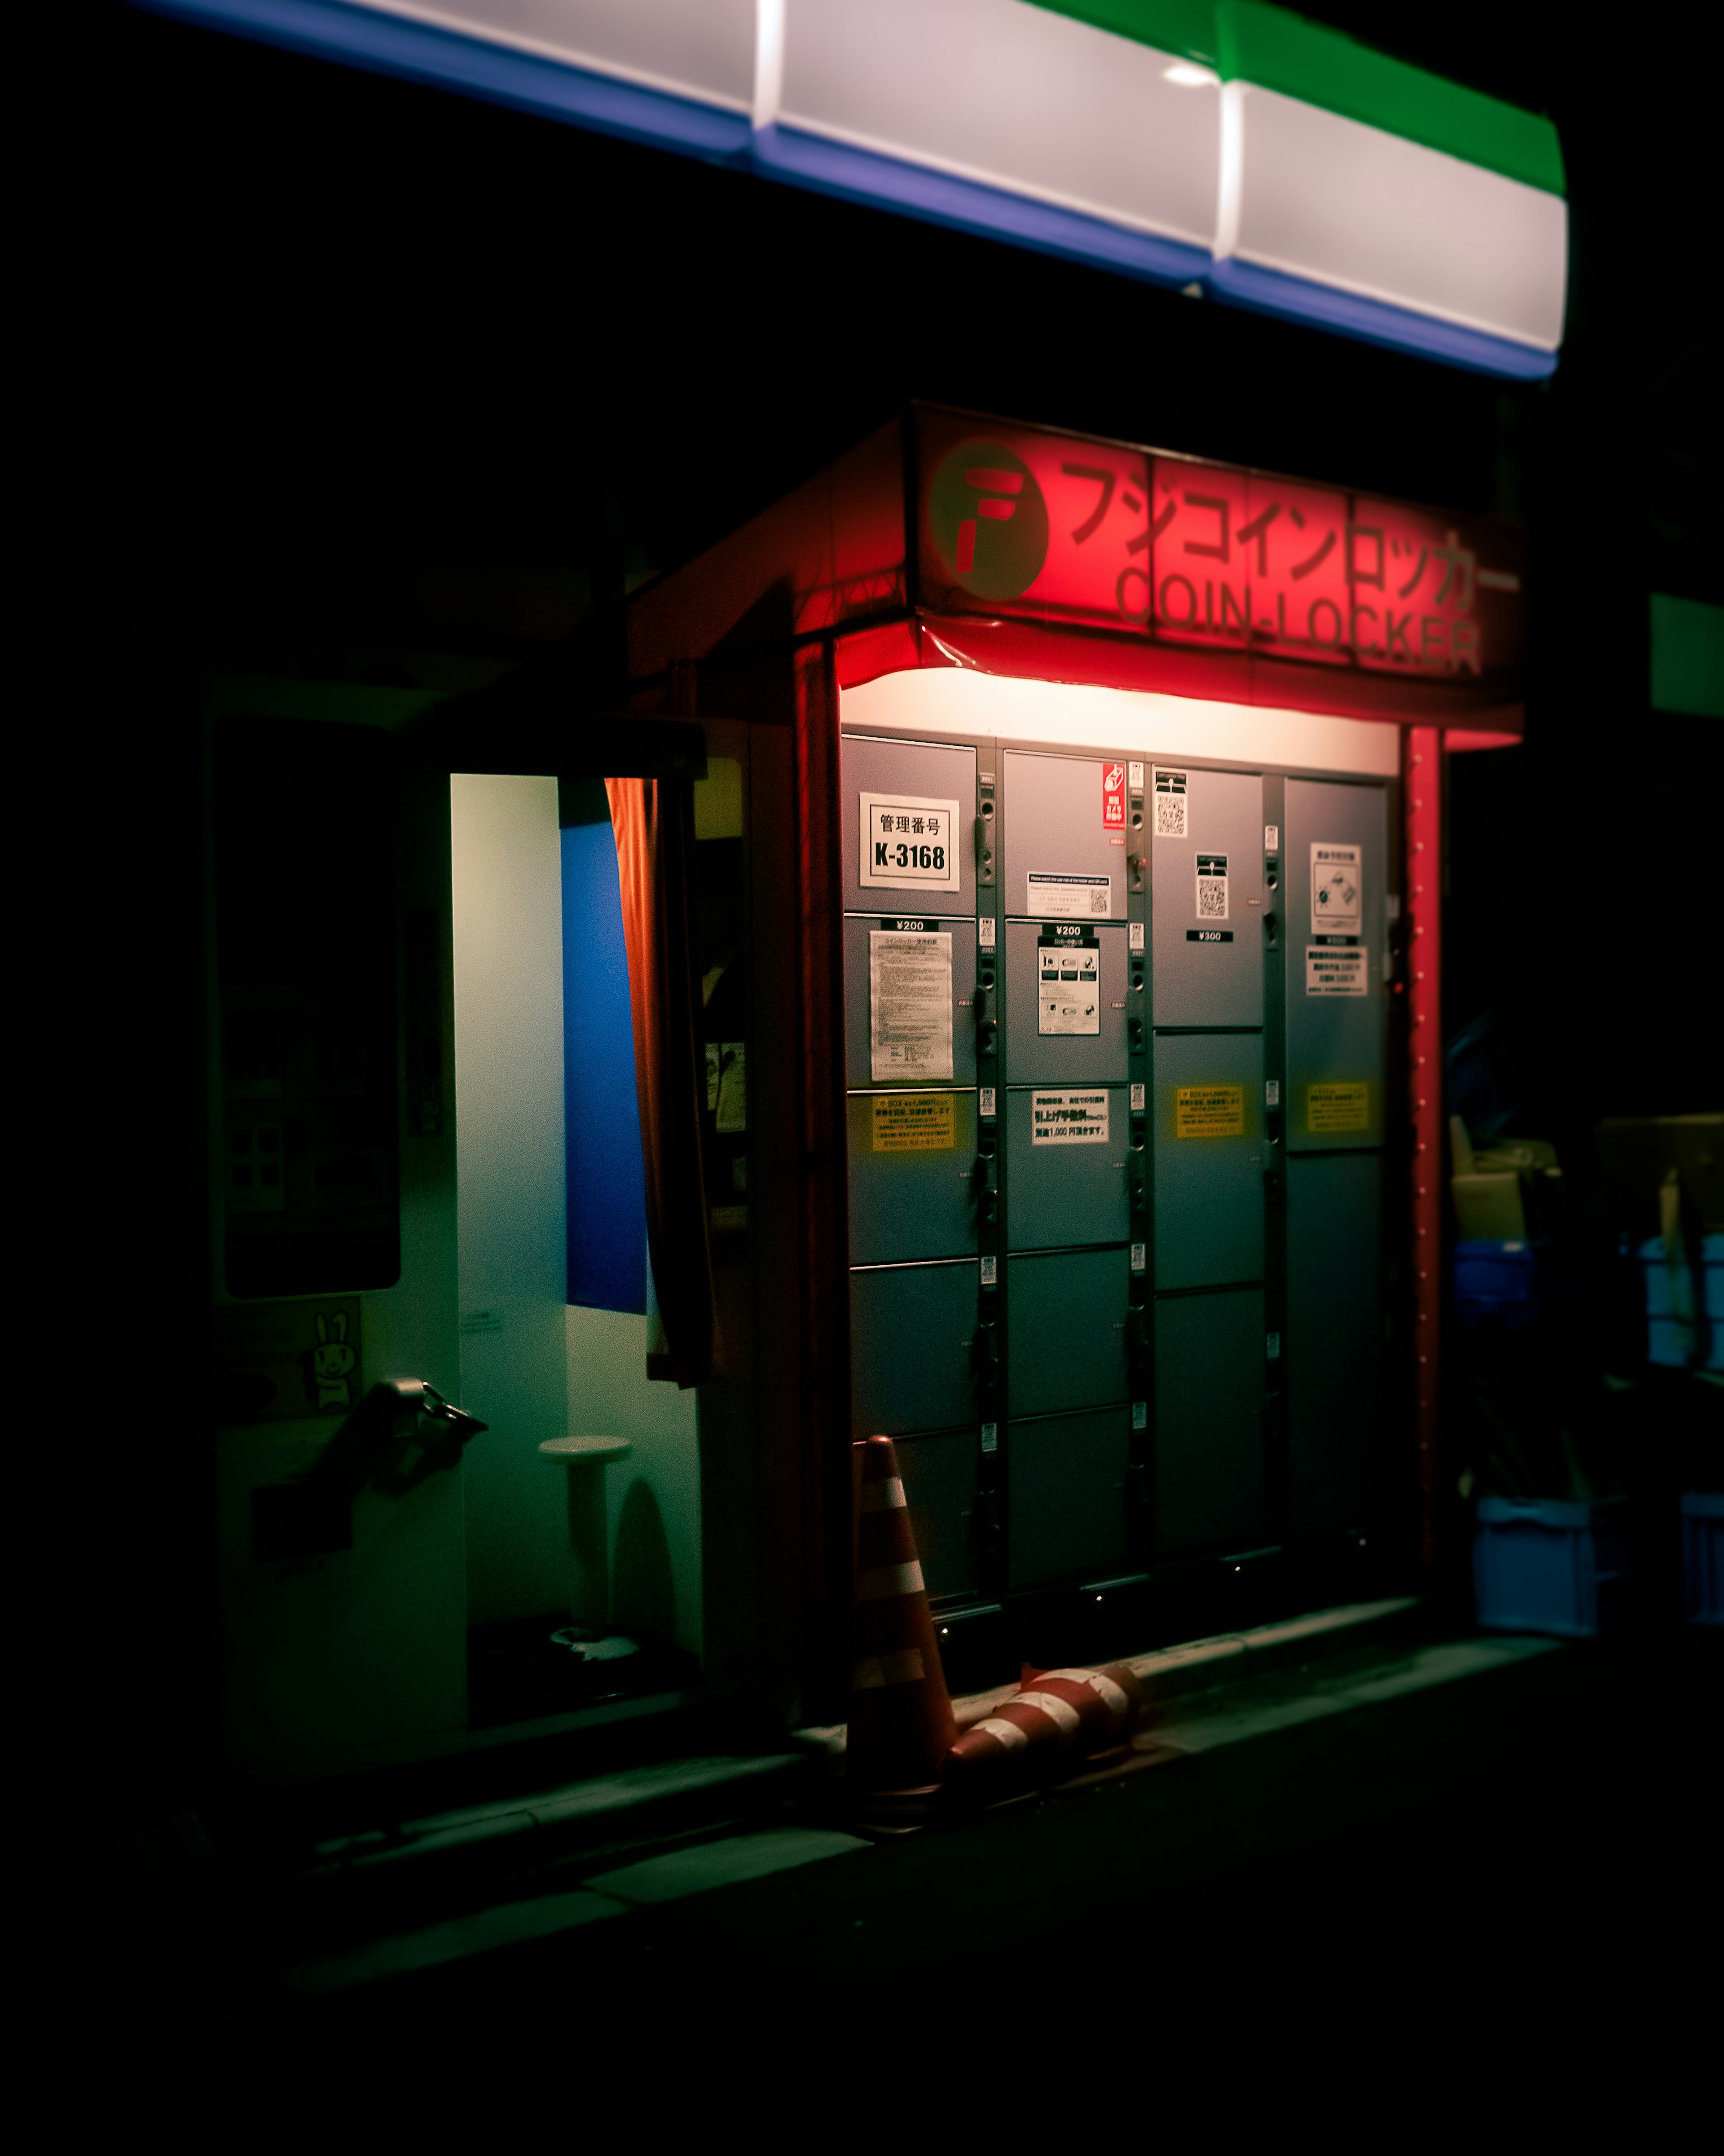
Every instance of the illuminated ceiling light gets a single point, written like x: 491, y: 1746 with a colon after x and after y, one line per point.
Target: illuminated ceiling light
x: 1189, y: 77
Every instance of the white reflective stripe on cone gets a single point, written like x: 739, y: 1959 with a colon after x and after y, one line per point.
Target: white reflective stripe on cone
x: 1103, y: 1686
x: 888, y: 1580
x: 1008, y: 1733
x: 1060, y: 1711
x: 885, y: 1496
x: 873, y: 1670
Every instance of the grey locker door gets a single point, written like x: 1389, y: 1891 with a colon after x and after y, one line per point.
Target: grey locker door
x: 859, y: 930
x: 1210, y: 1488
x: 1208, y: 892
x: 1059, y: 1192
x: 912, y: 1336
x: 1059, y: 858
x: 1065, y: 1344
x: 912, y: 1164
x: 912, y: 775
x: 1067, y: 1508
x: 1335, y: 1337
x: 1034, y: 1057
x: 940, y: 1485
x: 1208, y: 1159
x: 1335, y: 1039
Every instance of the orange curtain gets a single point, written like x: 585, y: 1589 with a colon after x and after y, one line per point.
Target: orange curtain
x: 654, y: 819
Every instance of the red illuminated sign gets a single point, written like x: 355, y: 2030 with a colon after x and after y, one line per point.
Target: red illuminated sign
x: 1104, y: 535
x: 1113, y: 797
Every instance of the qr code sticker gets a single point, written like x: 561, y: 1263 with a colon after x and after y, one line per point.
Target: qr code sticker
x: 1212, y: 886
x: 1098, y: 902
x: 1170, y: 815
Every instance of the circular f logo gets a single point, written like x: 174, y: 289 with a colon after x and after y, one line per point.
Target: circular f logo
x: 990, y: 521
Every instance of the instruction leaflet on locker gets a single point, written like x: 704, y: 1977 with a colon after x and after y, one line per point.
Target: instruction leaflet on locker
x: 908, y: 1004
x: 1335, y: 964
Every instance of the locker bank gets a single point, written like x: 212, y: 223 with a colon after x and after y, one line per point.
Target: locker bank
x: 1028, y: 850
x: 1094, y: 818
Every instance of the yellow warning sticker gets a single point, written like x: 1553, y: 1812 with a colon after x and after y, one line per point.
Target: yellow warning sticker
x: 1208, y: 1112
x: 915, y: 1122
x: 1345, y: 1105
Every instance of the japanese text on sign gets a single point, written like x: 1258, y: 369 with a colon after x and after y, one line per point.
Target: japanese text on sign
x: 1337, y: 1105
x: 1335, y: 969
x: 1208, y: 1112
x: 1068, y: 1119
x: 914, y: 1122
x: 1337, y: 888
x: 908, y: 1005
x: 908, y: 844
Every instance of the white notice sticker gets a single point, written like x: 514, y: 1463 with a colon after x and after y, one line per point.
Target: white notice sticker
x: 1069, y: 897
x: 987, y: 1101
x: 1170, y: 801
x: 1136, y: 772
x: 984, y: 931
x: 1212, y: 886
x: 1338, y: 889
x: 1335, y: 969
x: 908, y: 844
x: 1271, y: 838
x: 1069, y: 977
x: 1068, y: 1119
x: 1134, y: 935
x: 908, y: 1005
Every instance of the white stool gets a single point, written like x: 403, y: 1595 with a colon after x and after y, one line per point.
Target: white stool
x: 584, y: 1460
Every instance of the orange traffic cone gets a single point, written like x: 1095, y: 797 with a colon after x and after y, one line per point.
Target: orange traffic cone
x: 1054, y: 1714
x: 900, y: 1718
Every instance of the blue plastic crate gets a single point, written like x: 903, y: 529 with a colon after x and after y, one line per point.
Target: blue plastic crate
x: 1501, y: 1280
x: 1551, y: 1565
x: 1680, y: 1346
x: 1703, y: 1556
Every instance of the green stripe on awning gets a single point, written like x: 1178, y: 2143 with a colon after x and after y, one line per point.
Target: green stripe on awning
x: 1248, y: 41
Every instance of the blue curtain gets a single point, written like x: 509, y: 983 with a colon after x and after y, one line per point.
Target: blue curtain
x: 606, y: 1186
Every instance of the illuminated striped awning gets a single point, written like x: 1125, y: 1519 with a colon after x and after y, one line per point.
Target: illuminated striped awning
x: 1222, y: 144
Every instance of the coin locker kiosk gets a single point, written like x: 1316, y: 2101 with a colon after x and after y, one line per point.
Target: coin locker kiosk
x: 1129, y: 893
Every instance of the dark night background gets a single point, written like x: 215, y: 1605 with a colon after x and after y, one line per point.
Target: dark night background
x: 393, y: 386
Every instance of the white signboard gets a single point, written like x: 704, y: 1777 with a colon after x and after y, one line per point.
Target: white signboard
x: 1069, y: 981
x: 908, y: 844
x: 1069, y: 1119
x: 908, y: 1005
x: 1338, y: 889
x: 1069, y: 897
x: 1335, y: 969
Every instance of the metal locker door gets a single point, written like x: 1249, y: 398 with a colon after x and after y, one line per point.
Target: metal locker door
x: 914, y: 1186
x: 1335, y: 1339
x: 1065, y: 1342
x: 1335, y: 864
x: 1211, y: 1486
x: 1067, y: 1509
x: 939, y: 1488
x: 1063, y: 861
x: 1208, y: 1159
x: 1207, y: 862
x: 912, y: 1348
x: 1066, y: 1150
x: 872, y: 945
x: 921, y: 783
x: 1065, y: 1003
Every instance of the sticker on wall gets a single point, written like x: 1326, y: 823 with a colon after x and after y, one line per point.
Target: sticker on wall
x: 1170, y: 803
x: 990, y: 1437
x: 1212, y: 886
x: 1069, y: 897
x: 909, y: 1004
x: 1140, y: 1256
x: 988, y: 1109
x: 1335, y: 969
x: 1337, y: 1105
x: 732, y: 1088
x: 1067, y: 973
x: 1134, y: 934
x: 990, y: 1272
x: 1068, y: 1119
x: 1271, y: 838
x: 1208, y: 1112
x: 1338, y: 889
x: 909, y: 843
x: 1272, y: 1092
x: 1136, y: 772
x: 984, y: 931
x: 915, y: 1122
x: 282, y: 1361
x: 1113, y: 798
x: 1138, y: 1098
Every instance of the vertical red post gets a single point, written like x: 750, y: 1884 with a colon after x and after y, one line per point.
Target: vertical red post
x: 1422, y: 792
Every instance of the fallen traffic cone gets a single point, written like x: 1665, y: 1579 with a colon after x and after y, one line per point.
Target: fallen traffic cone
x: 1054, y: 1714
x: 900, y: 1725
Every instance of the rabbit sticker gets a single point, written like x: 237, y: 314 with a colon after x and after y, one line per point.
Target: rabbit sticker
x: 333, y: 1362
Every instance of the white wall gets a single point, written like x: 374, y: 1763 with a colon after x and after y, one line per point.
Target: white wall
x: 506, y: 875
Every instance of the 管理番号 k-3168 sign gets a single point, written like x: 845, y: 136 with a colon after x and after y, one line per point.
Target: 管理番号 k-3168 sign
x: 1104, y: 536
